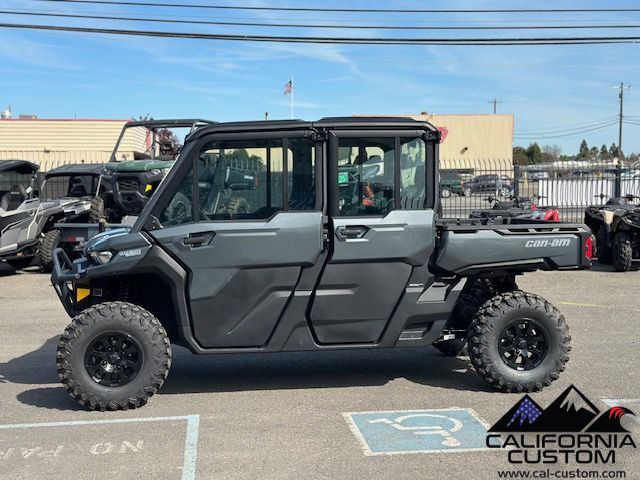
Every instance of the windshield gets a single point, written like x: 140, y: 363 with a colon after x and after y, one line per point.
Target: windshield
x: 75, y: 186
x: 150, y: 143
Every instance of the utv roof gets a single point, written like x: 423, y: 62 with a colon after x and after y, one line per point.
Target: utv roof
x: 173, y: 122
x: 323, y: 123
x: 19, y: 166
x: 76, y: 168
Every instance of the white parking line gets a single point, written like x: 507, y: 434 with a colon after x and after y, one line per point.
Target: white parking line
x: 190, y: 444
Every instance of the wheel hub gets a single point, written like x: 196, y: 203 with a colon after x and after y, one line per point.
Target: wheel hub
x: 113, y: 359
x: 523, y: 344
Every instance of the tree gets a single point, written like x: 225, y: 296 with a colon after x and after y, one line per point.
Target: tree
x: 534, y: 153
x: 520, y: 156
x: 593, y: 153
x: 613, y: 150
x: 551, y: 153
x: 604, y: 152
x: 583, y: 153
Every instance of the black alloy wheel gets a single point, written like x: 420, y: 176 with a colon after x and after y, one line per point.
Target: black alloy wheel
x: 523, y: 344
x: 113, y: 359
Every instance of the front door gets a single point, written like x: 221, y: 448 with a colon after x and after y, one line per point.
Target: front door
x: 381, y: 230
x: 243, y: 221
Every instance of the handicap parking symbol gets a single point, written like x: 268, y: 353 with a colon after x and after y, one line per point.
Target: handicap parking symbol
x: 418, y: 431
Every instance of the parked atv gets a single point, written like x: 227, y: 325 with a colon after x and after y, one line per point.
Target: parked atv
x: 517, y: 207
x: 616, y: 226
x: 316, y: 275
x: 18, y: 207
x: 129, y: 179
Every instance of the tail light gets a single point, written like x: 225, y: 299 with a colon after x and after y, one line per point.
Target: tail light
x: 589, y: 247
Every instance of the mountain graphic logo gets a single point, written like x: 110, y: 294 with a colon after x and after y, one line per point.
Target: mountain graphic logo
x: 572, y: 411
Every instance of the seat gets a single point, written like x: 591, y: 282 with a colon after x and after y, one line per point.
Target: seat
x: 14, y: 198
x: 78, y: 190
x: 413, y: 196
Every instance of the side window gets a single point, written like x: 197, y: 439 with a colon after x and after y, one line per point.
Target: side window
x: 365, y: 176
x: 180, y: 208
x: 233, y: 181
x: 413, y: 174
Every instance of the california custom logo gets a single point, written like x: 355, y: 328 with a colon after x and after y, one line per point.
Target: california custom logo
x: 571, y: 429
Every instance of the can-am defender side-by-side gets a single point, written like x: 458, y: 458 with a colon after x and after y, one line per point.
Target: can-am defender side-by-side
x: 142, y: 156
x: 616, y: 226
x: 66, y: 195
x: 323, y: 258
x: 18, y: 207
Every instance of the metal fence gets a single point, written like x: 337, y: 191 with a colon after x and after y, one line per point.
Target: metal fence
x: 569, y: 188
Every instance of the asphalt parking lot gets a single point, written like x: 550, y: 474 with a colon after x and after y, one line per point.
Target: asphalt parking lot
x: 287, y: 415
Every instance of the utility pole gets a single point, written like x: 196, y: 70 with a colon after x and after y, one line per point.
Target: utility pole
x: 495, y: 102
x: 621, y: 95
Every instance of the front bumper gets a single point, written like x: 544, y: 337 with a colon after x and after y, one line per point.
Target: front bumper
x: 69, y: 281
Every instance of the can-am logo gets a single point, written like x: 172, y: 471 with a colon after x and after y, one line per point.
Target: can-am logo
x: 556, y: 243
x: 571, y: 429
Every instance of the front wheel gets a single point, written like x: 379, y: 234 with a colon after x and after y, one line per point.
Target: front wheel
x: 504, y: 192
x: 113, y: 356
x: 445, y: 193
x: 467, y: 192
x: 519, y: 342
x: 48, y: 244
x: 623, y: 252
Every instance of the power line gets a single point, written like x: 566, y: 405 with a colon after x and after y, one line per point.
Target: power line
x: 567, y: 134
x: 334, y: 40
x: 348, y: 10
x: 568, y: 129
x: 120, y: 18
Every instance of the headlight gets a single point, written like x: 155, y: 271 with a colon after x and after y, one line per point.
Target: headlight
x: 107, y: 173
x: 160, y: 171
x: 102, y: 258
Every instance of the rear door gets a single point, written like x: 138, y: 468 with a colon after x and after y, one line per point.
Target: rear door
x: 243, y: 220
x: 382, y: 228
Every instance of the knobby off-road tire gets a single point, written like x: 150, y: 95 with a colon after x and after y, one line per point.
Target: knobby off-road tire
x: 237, y: 205
x: 48, y: 244
x: 96, y: 210
x: 179, y: 210
x: 622, y: 252
x: 603, y: 249
x: 140, y: 329
x: 500, y: 314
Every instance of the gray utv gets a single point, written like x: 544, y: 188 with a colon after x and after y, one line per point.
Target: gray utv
x: 66, y: 195
x: 18, y: 207
x: 339, y: 246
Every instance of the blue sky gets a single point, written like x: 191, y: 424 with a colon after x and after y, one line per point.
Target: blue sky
x: 549, y: 89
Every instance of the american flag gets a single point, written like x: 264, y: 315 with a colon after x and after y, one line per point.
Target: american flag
x: 527, y: 411
x: 288, y: 87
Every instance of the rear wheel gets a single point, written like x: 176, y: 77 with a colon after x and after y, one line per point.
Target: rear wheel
x: 519, y: 342
x: 504, y: 191
x: 622, y: 252
x: 113, y: 356
x: 48, y: 244
x: 467, y: 192
x: 604, y: 250
x: 96, y: 210
x: 445, y: 192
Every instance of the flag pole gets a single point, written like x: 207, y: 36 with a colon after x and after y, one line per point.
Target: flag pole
x: 292, y: 89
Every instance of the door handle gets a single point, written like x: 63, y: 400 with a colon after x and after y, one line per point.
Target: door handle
x: 197, y: 240
x: 351, y: 232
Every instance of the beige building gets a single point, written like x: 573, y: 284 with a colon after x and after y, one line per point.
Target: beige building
x: 51, y: 143
x: 474, y: 143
